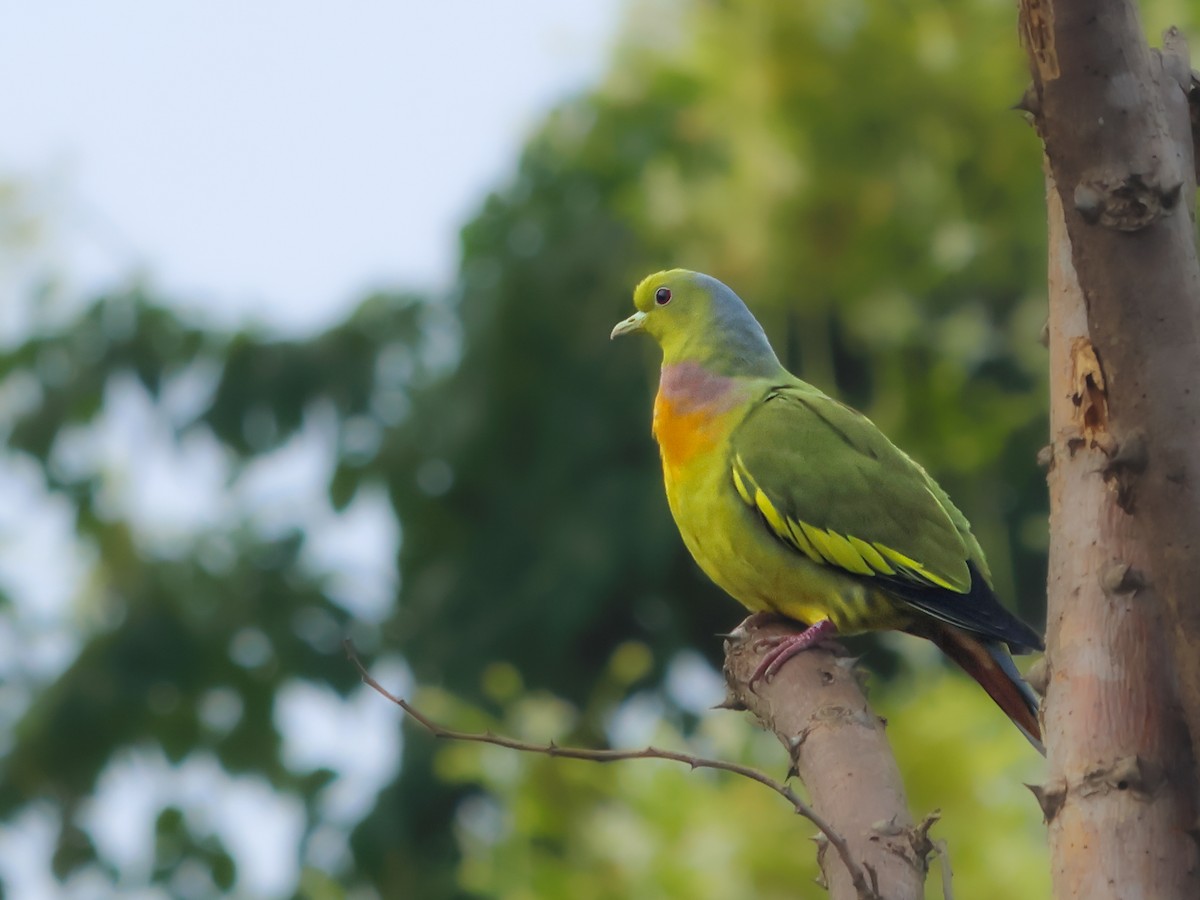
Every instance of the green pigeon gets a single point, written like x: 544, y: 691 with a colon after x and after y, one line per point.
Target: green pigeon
x: 795, y: 504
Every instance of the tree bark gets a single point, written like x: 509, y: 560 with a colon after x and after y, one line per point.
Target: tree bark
x: 839, y: 750
x: 1118, y: 800
x: 1122, y: 711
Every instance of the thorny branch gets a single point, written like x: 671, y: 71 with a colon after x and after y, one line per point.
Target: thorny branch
x: 862, y: 886
x: 816, y: 707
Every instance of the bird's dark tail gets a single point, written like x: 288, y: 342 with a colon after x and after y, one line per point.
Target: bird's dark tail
x: 989, y: 663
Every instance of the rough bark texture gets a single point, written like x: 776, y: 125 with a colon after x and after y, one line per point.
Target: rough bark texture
x: 816, y: 707
x: 1118, y: 799
x: 1122, y: 711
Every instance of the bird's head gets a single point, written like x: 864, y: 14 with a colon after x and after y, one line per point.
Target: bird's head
x: 696, y: 318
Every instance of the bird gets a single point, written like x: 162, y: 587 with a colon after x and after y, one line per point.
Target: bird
x: 797, y: 505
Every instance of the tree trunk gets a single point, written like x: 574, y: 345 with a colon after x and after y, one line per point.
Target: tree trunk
x: 1119, y: 797
x: 1122, y: 711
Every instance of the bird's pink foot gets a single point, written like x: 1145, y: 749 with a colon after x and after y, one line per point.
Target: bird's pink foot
x: 784, y: 647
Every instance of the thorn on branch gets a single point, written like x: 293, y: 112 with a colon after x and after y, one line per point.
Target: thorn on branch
x: 1050, y: 797
x: 919, y: 842
x: 909, y: 842
x: 887, y: 828
x: 730, y: 702
x: 1030, y: 103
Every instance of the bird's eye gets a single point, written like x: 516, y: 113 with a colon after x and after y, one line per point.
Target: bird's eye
x: 662, y: 296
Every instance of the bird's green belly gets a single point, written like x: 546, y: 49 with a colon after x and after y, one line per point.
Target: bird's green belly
x: 737, y: 550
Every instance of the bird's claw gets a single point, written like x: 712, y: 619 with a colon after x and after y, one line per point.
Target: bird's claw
x: 785, y: 646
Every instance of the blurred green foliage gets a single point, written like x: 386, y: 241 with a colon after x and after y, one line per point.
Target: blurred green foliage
x: 853, y: 171
x: 652, y: 829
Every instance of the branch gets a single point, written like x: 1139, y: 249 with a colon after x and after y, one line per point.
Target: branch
x: 816, y: 708
x: 863, y: 891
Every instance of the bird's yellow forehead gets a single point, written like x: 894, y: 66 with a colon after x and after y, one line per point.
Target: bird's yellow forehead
x: 643, y: 294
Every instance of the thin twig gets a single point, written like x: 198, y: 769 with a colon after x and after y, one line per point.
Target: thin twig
x: 943, y: 853
x: 603, y: 756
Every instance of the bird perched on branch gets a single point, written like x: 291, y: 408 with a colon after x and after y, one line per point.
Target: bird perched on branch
x: 796, y: 504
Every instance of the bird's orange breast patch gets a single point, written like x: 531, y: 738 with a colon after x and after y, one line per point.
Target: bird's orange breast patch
x: 681, y: 435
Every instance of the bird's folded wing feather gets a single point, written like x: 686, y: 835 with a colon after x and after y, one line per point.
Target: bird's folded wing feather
x: 830, y: 485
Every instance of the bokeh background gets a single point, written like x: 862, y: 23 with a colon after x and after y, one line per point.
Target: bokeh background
x: 304, y: 323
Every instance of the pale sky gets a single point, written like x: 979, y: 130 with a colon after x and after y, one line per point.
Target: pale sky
x: 270, y: 162
x: 275, y: 159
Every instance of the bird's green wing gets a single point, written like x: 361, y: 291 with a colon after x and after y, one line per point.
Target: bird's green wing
x: 830, y: 485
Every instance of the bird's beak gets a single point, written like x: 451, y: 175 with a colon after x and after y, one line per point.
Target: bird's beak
x: 633, y: 323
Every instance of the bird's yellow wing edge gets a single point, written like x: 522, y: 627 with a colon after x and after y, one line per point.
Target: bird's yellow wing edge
x: 827, y: 547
